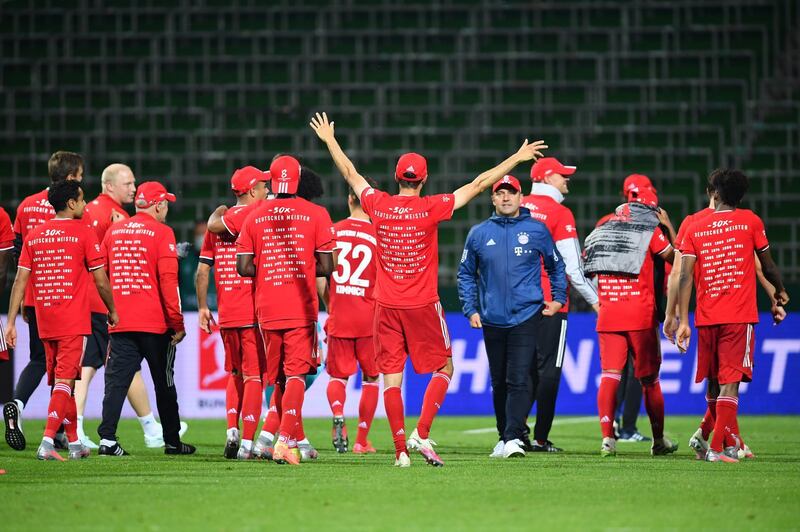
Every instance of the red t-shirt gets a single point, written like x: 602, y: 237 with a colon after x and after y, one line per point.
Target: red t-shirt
x: 6, y: 232
x: 559, y: 221
x: 59, y: 254
x: 352, y: 301
x: 234, y: 293
x: 724, y: 243
x: 629, y: 303
x: 97, y: 215
x: 235, y: 217
x: 283, y: 234
x: 687, y: 222
x: 407, y: 228
x: 143, y: 271
x: 32, y: 212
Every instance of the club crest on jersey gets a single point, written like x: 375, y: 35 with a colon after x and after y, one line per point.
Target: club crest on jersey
x: 523, y: 238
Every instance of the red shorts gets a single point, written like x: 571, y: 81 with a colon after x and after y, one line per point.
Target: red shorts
x: 725, y: 353
x: 64, y: 357
x: 291, y: 352
x: 244, y: 351
x: 343, y: 354
x: 421, y: 332
x: 644, y: 344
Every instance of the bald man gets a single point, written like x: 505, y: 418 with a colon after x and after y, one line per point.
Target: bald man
x: 119, y: 188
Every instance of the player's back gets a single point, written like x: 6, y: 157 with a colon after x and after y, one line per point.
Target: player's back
x: 32, y: 212
x: 352, y: 300
x: 408, y: 248
x: 98, y: 214
x: 6, y: 231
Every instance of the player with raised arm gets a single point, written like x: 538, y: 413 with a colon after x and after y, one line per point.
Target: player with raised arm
x: 57, y: 257
x: 350, y: 300
x: 722, y: 247
x: 245, y: 358
x: 409, y: 320
x: 284, y: 244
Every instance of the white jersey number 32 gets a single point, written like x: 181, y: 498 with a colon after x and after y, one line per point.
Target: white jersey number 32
x: 348, y: 275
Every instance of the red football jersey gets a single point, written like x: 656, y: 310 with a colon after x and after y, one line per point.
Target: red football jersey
x: 352, y: 302
x: 235, y: 305
x: 629, y: 303
x: 97, y: 215
x: 687, y: 222
x: 6, y: 232
x: 407, y: 228
x: 233, y: 219
x: 283, y: 234
x: 559, y: 221
x: 724, y: 243
x: 32, y: 212
x: 59, y: 253
x: 143, y: 269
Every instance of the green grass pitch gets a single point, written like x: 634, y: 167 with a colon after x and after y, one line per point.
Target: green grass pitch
x: 574, y: 490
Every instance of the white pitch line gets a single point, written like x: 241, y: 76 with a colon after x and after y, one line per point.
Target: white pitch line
x: 568, y: 421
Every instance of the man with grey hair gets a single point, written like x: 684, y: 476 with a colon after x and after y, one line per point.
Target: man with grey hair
x: 119, y: 188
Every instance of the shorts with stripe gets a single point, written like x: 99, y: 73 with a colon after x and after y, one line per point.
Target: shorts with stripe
x: 551, y: 342
x: 644, y: 344
x: 725, y: 353
x: 421, y: 333
x: 290, y: 352
x: 64, y: 357
x: 344, y: 353
x: 244, y: 351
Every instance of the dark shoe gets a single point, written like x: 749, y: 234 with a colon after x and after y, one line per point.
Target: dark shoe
x: 526, y: 443
x: 548, y: 447
x: 61, y: 441
x: 339, y: 435
x: 181, y: 448
x: 231, y: 448
x: 114, y: 450
x: 14, y: 436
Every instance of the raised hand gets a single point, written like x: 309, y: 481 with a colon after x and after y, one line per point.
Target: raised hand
x: 322, y: 127
x: 527, y: 151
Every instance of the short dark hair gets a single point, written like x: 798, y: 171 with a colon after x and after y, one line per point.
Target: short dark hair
x: 310, y: 185
x: 731, y: 185
x: 63, y: 164
x: 61, y: 192
x: 409, y: 184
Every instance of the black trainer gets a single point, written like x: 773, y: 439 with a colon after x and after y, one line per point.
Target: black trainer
x: 112, y: 450
x: 181, y: 448
x: 14, y: 436
x: 231, y: 448
x: 340, y: 440
x: 548, y: 447
x: 60, y: 441
x: 526, y: 443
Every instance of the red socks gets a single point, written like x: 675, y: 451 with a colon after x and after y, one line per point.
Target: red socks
x: 292, y: 405
x: 726, y: 421
x: 71, y: 419
x: 251, y: 407
x: 607, y: 402
x: 707, y: 425
x: 233, y: 400
x: 57, y: 410
x: 393, y: 402
x: 654, y: 404
x: 273, y: 421
x: 336, y: 396
x: 432, y: 402
x: 366, y: 410
x: 301, y: 433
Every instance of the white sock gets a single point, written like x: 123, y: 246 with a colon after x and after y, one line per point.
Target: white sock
x: 48, y: 440
x: 247, y: 445
x: 268, y: 435
x: 80, y: 426
x: 108, y: 443
x: 20, y: 408
x: 304, y: 441
x: 149, y: 425
x: 233, y: 432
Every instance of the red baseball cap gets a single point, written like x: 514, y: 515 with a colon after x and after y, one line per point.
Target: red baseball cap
x: 547, y: 166
x: 245, y: 178
x: 412, y: 164
x: 285, y: 174
x: 647, y: 196
x: 151, y: 192
x: 508, y: 180
x: 635, y: 182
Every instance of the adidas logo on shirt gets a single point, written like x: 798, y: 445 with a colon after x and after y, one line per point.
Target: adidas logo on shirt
x: 491, y: 242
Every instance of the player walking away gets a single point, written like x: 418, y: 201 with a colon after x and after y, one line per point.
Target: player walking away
x: 721, y: 246
x: 6, y: 250
x: 408, y: 316
x: 350, y: 300
x: 143, y: 263
x: 57, y: 257
x: 499, y: 284
x: 32, y: 212
x: 118, y: 184
x: 629, y: 242
x: 284, y: 244
x: 550, y: 184
x: 245, y: 358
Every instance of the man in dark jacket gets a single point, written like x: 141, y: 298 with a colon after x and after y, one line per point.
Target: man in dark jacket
x: 499, y: 284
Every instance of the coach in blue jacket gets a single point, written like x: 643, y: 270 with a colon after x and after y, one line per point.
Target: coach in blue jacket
x: 499, y: 284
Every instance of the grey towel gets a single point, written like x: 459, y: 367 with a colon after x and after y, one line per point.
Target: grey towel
x: 619, y: 246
